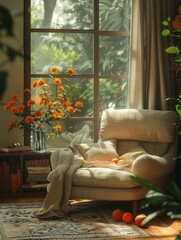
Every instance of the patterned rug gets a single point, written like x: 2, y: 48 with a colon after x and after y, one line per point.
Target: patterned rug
x: 86, y: 220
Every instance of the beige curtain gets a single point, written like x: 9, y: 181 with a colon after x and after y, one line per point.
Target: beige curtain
x: 150, y: 81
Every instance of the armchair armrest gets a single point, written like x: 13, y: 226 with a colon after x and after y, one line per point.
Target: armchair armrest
x: 151, y: 166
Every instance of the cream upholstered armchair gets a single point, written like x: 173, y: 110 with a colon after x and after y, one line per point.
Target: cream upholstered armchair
x: 146, y: 143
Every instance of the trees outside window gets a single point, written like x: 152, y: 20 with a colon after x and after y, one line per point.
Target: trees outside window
x: 90, y: 36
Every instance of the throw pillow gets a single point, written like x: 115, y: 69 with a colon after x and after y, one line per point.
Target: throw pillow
x: 133, y: 153
x: 98, y: 151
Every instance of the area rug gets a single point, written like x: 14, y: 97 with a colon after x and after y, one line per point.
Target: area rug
x: 86, y: 220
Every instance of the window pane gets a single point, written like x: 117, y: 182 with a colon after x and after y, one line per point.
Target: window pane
x: 62, y: 14
x: 115, y: 15
x: 114, y: 55
x: 113, y: 93
x: 80, y: 132
x: 63, y: 50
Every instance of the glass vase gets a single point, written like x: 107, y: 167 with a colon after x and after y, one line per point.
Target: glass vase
x: 39, y: 141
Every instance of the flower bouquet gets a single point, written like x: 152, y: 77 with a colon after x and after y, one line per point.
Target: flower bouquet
x: 49, y: 102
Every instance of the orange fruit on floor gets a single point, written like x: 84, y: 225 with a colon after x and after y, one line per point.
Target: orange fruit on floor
x: 115, y: 160
x: 139, y: 219
x: 117, y: 215
x: 127, y: 217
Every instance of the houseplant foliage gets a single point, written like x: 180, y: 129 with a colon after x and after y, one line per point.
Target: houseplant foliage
x: 167, y: 200
x: 172, y: 30
x: 52, y: 101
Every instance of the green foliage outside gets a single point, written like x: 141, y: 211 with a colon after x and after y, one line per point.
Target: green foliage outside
x: 75, y: 49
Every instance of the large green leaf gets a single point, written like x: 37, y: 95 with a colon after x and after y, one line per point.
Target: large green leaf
x: 152, y: 216
x: 178, y: 109
x: 146, y: 183
x: 173, y: 189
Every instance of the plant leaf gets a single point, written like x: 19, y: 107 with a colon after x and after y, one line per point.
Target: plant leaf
x: 165, y: 23
x: 172, y: 50
x: 173, y: 188
x: 152, y: 216
x: 165, y: 32
x: 146, y: 183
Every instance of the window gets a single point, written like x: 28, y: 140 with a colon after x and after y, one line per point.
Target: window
x: 92, y: 37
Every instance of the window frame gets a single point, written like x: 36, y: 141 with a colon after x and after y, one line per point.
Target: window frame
x: 95, y: 76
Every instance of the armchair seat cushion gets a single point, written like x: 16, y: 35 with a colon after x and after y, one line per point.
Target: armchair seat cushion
x: 103, y: 177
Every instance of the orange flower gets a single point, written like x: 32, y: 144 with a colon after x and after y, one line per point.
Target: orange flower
x: 57, y: 81
x: 40, y: 82
x: 71, y: 109
x: 57, y: 114
x: 176, y: 24
x: 21, y: 108
x: 64, y: 105
x: 29, y: 119
x: 30, y: 102
x: 58, y: 128
x: 61, y: 88
x: 68, y: 102
x: 44, y: 96
x: 56, y: 102
x: 11, y: 124
x: 79, y: 104
x: 11, y: 103
x: 6, y: 107
x: 41, y: 101
x: 38, y: 113
x: 27, y: 90
x: 70, y: 71
x: 49, y: 104
x: 53, y: 70
x: 34, y: 84
x: 14, y: 96
x: 13, y: 109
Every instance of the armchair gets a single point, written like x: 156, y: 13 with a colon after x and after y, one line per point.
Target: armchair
x: 145, y: 140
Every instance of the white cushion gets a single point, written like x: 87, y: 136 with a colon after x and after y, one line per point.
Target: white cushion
x: 104, y: 151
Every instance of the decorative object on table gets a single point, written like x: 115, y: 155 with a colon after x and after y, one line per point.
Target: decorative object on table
x: 48, y: 104
x: 87, y: 220
x: 16, y: 147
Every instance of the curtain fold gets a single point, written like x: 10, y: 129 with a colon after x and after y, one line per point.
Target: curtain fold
x: 150, y: 79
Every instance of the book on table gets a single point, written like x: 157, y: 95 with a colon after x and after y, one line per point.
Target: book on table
x: 15, y: 149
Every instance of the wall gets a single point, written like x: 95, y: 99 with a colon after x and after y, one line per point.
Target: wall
x: 16, y: 73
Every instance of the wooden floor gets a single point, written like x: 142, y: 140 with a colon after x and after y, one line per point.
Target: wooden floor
x: 162, y: 228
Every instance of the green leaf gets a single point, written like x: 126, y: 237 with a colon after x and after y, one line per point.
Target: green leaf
x: 165, y: 23
x: 178, y: 109
x: 173, y: 188
x: 152, y: 216
x: 146, y: 183
x: 172, y: 50
x: 166, y: 32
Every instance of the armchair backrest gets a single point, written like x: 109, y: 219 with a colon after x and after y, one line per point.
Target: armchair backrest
x: 130, y: 126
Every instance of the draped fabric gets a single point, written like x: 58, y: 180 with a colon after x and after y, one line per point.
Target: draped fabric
x: 150, y: 77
